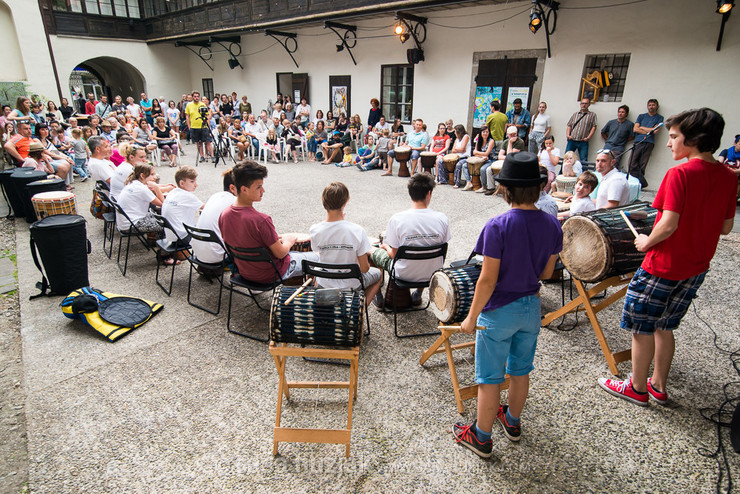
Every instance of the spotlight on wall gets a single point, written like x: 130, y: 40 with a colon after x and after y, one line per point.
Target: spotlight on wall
x: 725, y: 6
x: 544, y: 13
x: 399, y: 29
x: 404, y: 37
x: 535, y: 21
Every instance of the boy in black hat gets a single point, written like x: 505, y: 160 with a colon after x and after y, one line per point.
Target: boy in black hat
x: 520, y: 247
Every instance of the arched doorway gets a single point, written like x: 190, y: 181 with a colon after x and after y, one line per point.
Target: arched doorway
x: 107, y: 75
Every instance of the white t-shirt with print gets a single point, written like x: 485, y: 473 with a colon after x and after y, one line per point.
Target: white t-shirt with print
x: 100, y: 169
x: 134, y: 200
x: 417, y: 227
x: 207, y: 251
x: 339, y: 242
x: 180, y: 206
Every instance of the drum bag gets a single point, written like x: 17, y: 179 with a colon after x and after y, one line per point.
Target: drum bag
x: 61, y: 242
x: 87, y: 304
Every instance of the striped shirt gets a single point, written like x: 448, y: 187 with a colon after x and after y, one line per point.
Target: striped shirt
x: 579, y: 131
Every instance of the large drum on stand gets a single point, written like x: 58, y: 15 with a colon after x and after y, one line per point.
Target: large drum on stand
x: 475, y: 163
x: 599, y: 244
x: 428, y: 160
x: 403, y: 153
x: 450, y: 160
x: 451, y: 292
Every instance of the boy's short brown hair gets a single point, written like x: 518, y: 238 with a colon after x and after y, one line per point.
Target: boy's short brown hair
x: 76, y: 133
x: 335, y: 196
x: 589, y: 180
x: 185, y: 172
x: 701, y: 128
x: 347, y: 149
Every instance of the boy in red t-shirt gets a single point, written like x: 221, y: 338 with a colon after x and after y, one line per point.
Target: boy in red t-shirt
x: 696, y: 203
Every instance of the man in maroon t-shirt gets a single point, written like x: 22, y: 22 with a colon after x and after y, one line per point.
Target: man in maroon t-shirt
x: 243, y: 226
x: 701, y: 194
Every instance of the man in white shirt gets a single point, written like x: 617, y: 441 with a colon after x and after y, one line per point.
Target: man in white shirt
x: 419, y: 226
x: 264, y: 122
x: 133, y: 108
x: 338, y: 241
x: 613, y: 189
x: 206, y: 251
x: 251, y: 130
x: 99, y: 164
x: 381, y: 126
x: 303, y: 112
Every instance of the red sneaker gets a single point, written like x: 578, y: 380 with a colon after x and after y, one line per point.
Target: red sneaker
x: 623, y: 389
x: 656, y: 395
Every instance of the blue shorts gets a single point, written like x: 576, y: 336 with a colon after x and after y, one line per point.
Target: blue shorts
x: 508, y: 343
x: 657, y: 303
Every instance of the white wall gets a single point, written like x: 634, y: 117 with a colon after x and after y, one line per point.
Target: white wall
x: 12, y: 68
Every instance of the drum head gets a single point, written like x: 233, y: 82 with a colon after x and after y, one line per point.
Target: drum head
x: 476, y: 160
x: 442, y: 295
x: 52, y: 196
x: 586, y: 250
x: 124, y: 311
x: 451, y: 157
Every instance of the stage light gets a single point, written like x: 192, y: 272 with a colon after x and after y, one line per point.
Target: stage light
x: 399, y: 29
x: 725, y: 6
x: 404, y: 37
x: 535, y: 21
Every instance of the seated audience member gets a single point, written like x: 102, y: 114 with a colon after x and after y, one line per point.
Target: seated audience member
x: 549, y: 158
x: 461, y: 147
x: 134, y: 155
x: 318, y: 139
x: 545, y: 202
x: 166, y: 139
x: 381, y: 126
x: 38, y: 161
x: 181, y: 206
x: 331, y: 122
x: 272, y: 144
x: 417, y: 140
x: 99, y: 164
x: 252, y: 131
x: 139, y: 192
x: 18, y: 145
x: 571, y: 168
x: 397, y: 128
x: 419, y: 226
x: 106, y: 130
x: 731, y: 155
x: 613, y: 189
x: 143, y: 136
x: 581, y: 202
x: 484, y: 148
x: 81, y: 154
x: 293, y: 138
x: 440, y: 141
x: 264, y: 122
x: 60, y: 162
x: 347, y: 158
x: 338, y: 241
x: 333, y: 147
x: 512, y: 144
x: 206, y: 251
x: 366, y: 157
x: 243, y: 226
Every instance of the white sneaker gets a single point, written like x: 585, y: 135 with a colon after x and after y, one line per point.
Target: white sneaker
x: 481, y: 190
x: 468, y: 186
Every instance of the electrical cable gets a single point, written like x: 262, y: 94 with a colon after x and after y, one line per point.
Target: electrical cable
x: 603, y: 6
x: 719, y: 416
x: 481, y: 25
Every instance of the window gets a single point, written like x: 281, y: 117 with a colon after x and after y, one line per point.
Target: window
x: 208, y: 88
x: 397, y: 91
x: 604, y: 76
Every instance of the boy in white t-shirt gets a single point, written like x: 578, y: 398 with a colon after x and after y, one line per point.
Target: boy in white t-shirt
x: 181, y: 205
x: 207, y: 251
x: 581, y: 202
x: 338, y: 241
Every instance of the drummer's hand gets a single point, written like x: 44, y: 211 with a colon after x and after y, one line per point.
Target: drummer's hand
x: 568, y: 199
x: 641, y: 242
x: 467, y: 326
x: 288, y: 239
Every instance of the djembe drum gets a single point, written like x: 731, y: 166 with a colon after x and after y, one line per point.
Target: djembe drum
x: 403, y: 153
x: 450, y: 160
x: 474, y: 165
x: 307, y: 319
x: 451, y: 291
x: 566, y: 184
x: 599, y: 244
x: 302, y: 243
x: 51, y: 203
x: 18, y: 192
x: 428, y: 160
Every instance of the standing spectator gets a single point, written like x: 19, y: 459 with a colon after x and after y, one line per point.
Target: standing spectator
x: 198, y: 124
x: 81, y: 154
x: 374, y: 116
x: 133, y: 108
x: 520, y: 118
x: 245, y: 106
x: 90, y: 104
x: 496, y: 123
x: 118, y: 107
x: 53, y: 112
x: 66, y: 110
x: 581, y: 128
x: 617, y: 132
x: 646, y: 126
x: 157, y: 110
x: 80, y: 103
x: 173, y: 116
x: 549, y: 158
x: 102, y: 108
x: 541, y: 127
x: 146, y: 107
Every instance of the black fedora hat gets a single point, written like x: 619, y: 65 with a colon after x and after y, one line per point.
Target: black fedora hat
x: 520, y: 169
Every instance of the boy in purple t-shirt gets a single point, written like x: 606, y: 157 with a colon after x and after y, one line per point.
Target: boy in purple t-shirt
x: 520, y: 247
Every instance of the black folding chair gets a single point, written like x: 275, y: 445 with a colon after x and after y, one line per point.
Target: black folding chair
x: 168, y: 249
x: 411, y: 253
x: 259, y: 254
x: 132, y: 231
x: 336, y: 272
x: 209, y: 236
x: 109, y: 218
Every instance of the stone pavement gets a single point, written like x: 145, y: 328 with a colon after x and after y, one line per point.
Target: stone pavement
x: 181, y: 405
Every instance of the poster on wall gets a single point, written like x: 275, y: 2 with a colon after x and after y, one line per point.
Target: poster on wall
x: 484, y: 95
x: 339, y: 94
x: 517, y: 92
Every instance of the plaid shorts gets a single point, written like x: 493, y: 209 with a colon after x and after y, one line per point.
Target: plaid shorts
x: 657, y: 303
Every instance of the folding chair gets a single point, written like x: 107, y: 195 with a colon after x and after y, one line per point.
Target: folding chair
x: 109, y: 218
x: 169, y: 248
x: 209, y: 236
x: 411, y: 253
x: 259, y: 254
x: 132, y: 231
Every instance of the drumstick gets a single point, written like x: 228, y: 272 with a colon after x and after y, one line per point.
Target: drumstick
x: 453, y: 328
x: 297, y: 292
x: 629, y: 224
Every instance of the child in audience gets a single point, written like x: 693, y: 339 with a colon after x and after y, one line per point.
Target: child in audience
x: 581, y: 202
x: 506, y: 301
x: 338, y: 241
x: 81, y: 154
x: 385, y: 144
x: 141, y: 191
x: 347, y: 159
x: 271, y: 143
x: 181, y: 206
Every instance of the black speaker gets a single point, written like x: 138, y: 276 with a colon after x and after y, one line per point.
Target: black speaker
x: 414, y: 55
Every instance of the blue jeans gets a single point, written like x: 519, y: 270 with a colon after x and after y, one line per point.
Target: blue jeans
x: 312, y: 145
x: 80, y: 167
x: 580, y: 146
